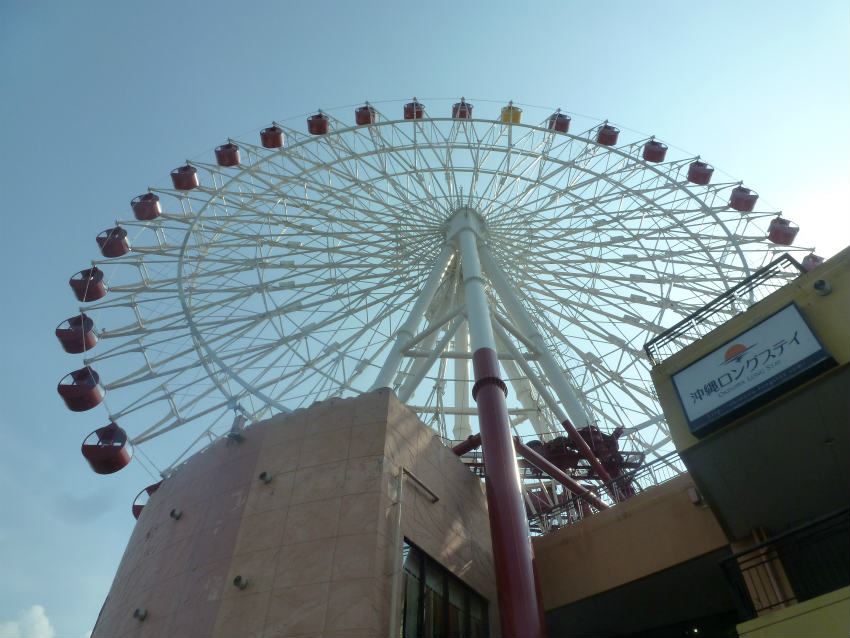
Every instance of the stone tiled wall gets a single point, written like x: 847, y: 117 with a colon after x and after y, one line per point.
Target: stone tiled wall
x: 455, y: 530
x: 315, y: 544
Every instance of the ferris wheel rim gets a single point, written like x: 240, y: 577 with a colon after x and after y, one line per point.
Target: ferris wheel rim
x: 214, y: 365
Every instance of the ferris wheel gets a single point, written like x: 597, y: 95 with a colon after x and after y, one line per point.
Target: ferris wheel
x: 322, y: 260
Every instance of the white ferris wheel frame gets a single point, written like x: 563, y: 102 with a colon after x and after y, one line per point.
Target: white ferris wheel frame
x: 404, y: 178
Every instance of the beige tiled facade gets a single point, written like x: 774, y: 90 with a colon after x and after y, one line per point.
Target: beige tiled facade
x: 316, y: 544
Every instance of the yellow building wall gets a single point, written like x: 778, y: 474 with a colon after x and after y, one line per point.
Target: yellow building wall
x: 826, y: 616
x: 652, y: 531
x: 827, y: 315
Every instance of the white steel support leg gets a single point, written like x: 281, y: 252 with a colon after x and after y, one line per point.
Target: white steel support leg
x: 436, y: 318
x: 461, y: 374
x: 530, y: 374
x: 475, y: 295
x: 420, y: 370
x: 408, y: 329
x: 525, y: 324
x: 522, y: 387
x: 402, y: 383
x: 564, y: 391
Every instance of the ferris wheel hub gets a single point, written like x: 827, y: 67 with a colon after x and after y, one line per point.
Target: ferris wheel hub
x: 465, y: 218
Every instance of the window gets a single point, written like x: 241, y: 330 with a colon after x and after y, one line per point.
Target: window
x: 436, y: 604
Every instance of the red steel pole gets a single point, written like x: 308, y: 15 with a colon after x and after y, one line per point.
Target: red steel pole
x: 585, y: 450
x: 512, y: 553
x: 467, y: 445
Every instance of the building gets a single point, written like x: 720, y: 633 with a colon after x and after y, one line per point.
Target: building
x: 753, y: 539
x: 352, y: 519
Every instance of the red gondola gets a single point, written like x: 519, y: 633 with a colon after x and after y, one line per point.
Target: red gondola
x: 654, y: 151
x: 227, y: 155
x: 462, y: 110
x: 559, y: 122
x: 106, y: 449
x: 781, y: 231
x: 414, y: 110
x: 81, y: 389
x: 743, y: 199
x: 146, y: 207
x: 364, y: 115
x: 113, y: 242
x: 76, y: 334
x: 185, y: 177
x: 88, y: 284
x: 272, y: 137
x: 318, y: 124
x: 811, y: 261
x: 700, y: 173
x: 142, y: 499
x: 607, y: 135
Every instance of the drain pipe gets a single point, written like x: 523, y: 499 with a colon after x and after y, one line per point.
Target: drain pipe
x: 398, y: 553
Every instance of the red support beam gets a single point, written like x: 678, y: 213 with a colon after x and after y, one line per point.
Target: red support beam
x: 519, y: 609
x: 585, y: 450
x: 547, y: 467
x: 470, y: 443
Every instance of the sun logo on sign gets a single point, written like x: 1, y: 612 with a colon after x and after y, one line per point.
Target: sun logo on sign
x: 735, y: 352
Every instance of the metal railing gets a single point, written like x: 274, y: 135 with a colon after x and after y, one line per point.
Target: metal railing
x: 569, y: 508
x: 797, y: 565
x: 757, y: 286
x: 574, y: 509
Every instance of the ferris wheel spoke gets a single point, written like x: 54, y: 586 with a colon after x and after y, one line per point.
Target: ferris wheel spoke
x: 173, y: 421
x: 208, y: 433
x: 623, y: 384
x: 405, y: 206
x: 136, y: 346
x: 299, y: 305
x: 531, y: 158
x: 367, y: 204
x: 418, y: 161
x: 333, y: 346
x: 346, y: 150
x: 613, y: 179
x: 613, y: 298
x: 364, y: 362
x: 164, y: 394
x: 591, y: 332
x: 370, y: 187
x: 319, y: 326
x: 397, y: 156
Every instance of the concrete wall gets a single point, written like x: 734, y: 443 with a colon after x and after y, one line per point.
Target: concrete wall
x: 455, y: 530
x: 315, y: 544
x: 826, y: 314
x: 650, y: 532
x: 826, y: 616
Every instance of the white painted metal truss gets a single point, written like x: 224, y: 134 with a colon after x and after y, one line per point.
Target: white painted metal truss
x: 322, y: 269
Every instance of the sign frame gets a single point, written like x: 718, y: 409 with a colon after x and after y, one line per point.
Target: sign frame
x: 760, y: 393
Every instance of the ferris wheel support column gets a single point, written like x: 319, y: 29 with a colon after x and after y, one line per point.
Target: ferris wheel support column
x: 408, y: 329
x: 555, y: 376
x: 461, y: 369
x: 512, y: 554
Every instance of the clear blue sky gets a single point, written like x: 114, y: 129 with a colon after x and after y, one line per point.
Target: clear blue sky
x: 102, y: 99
